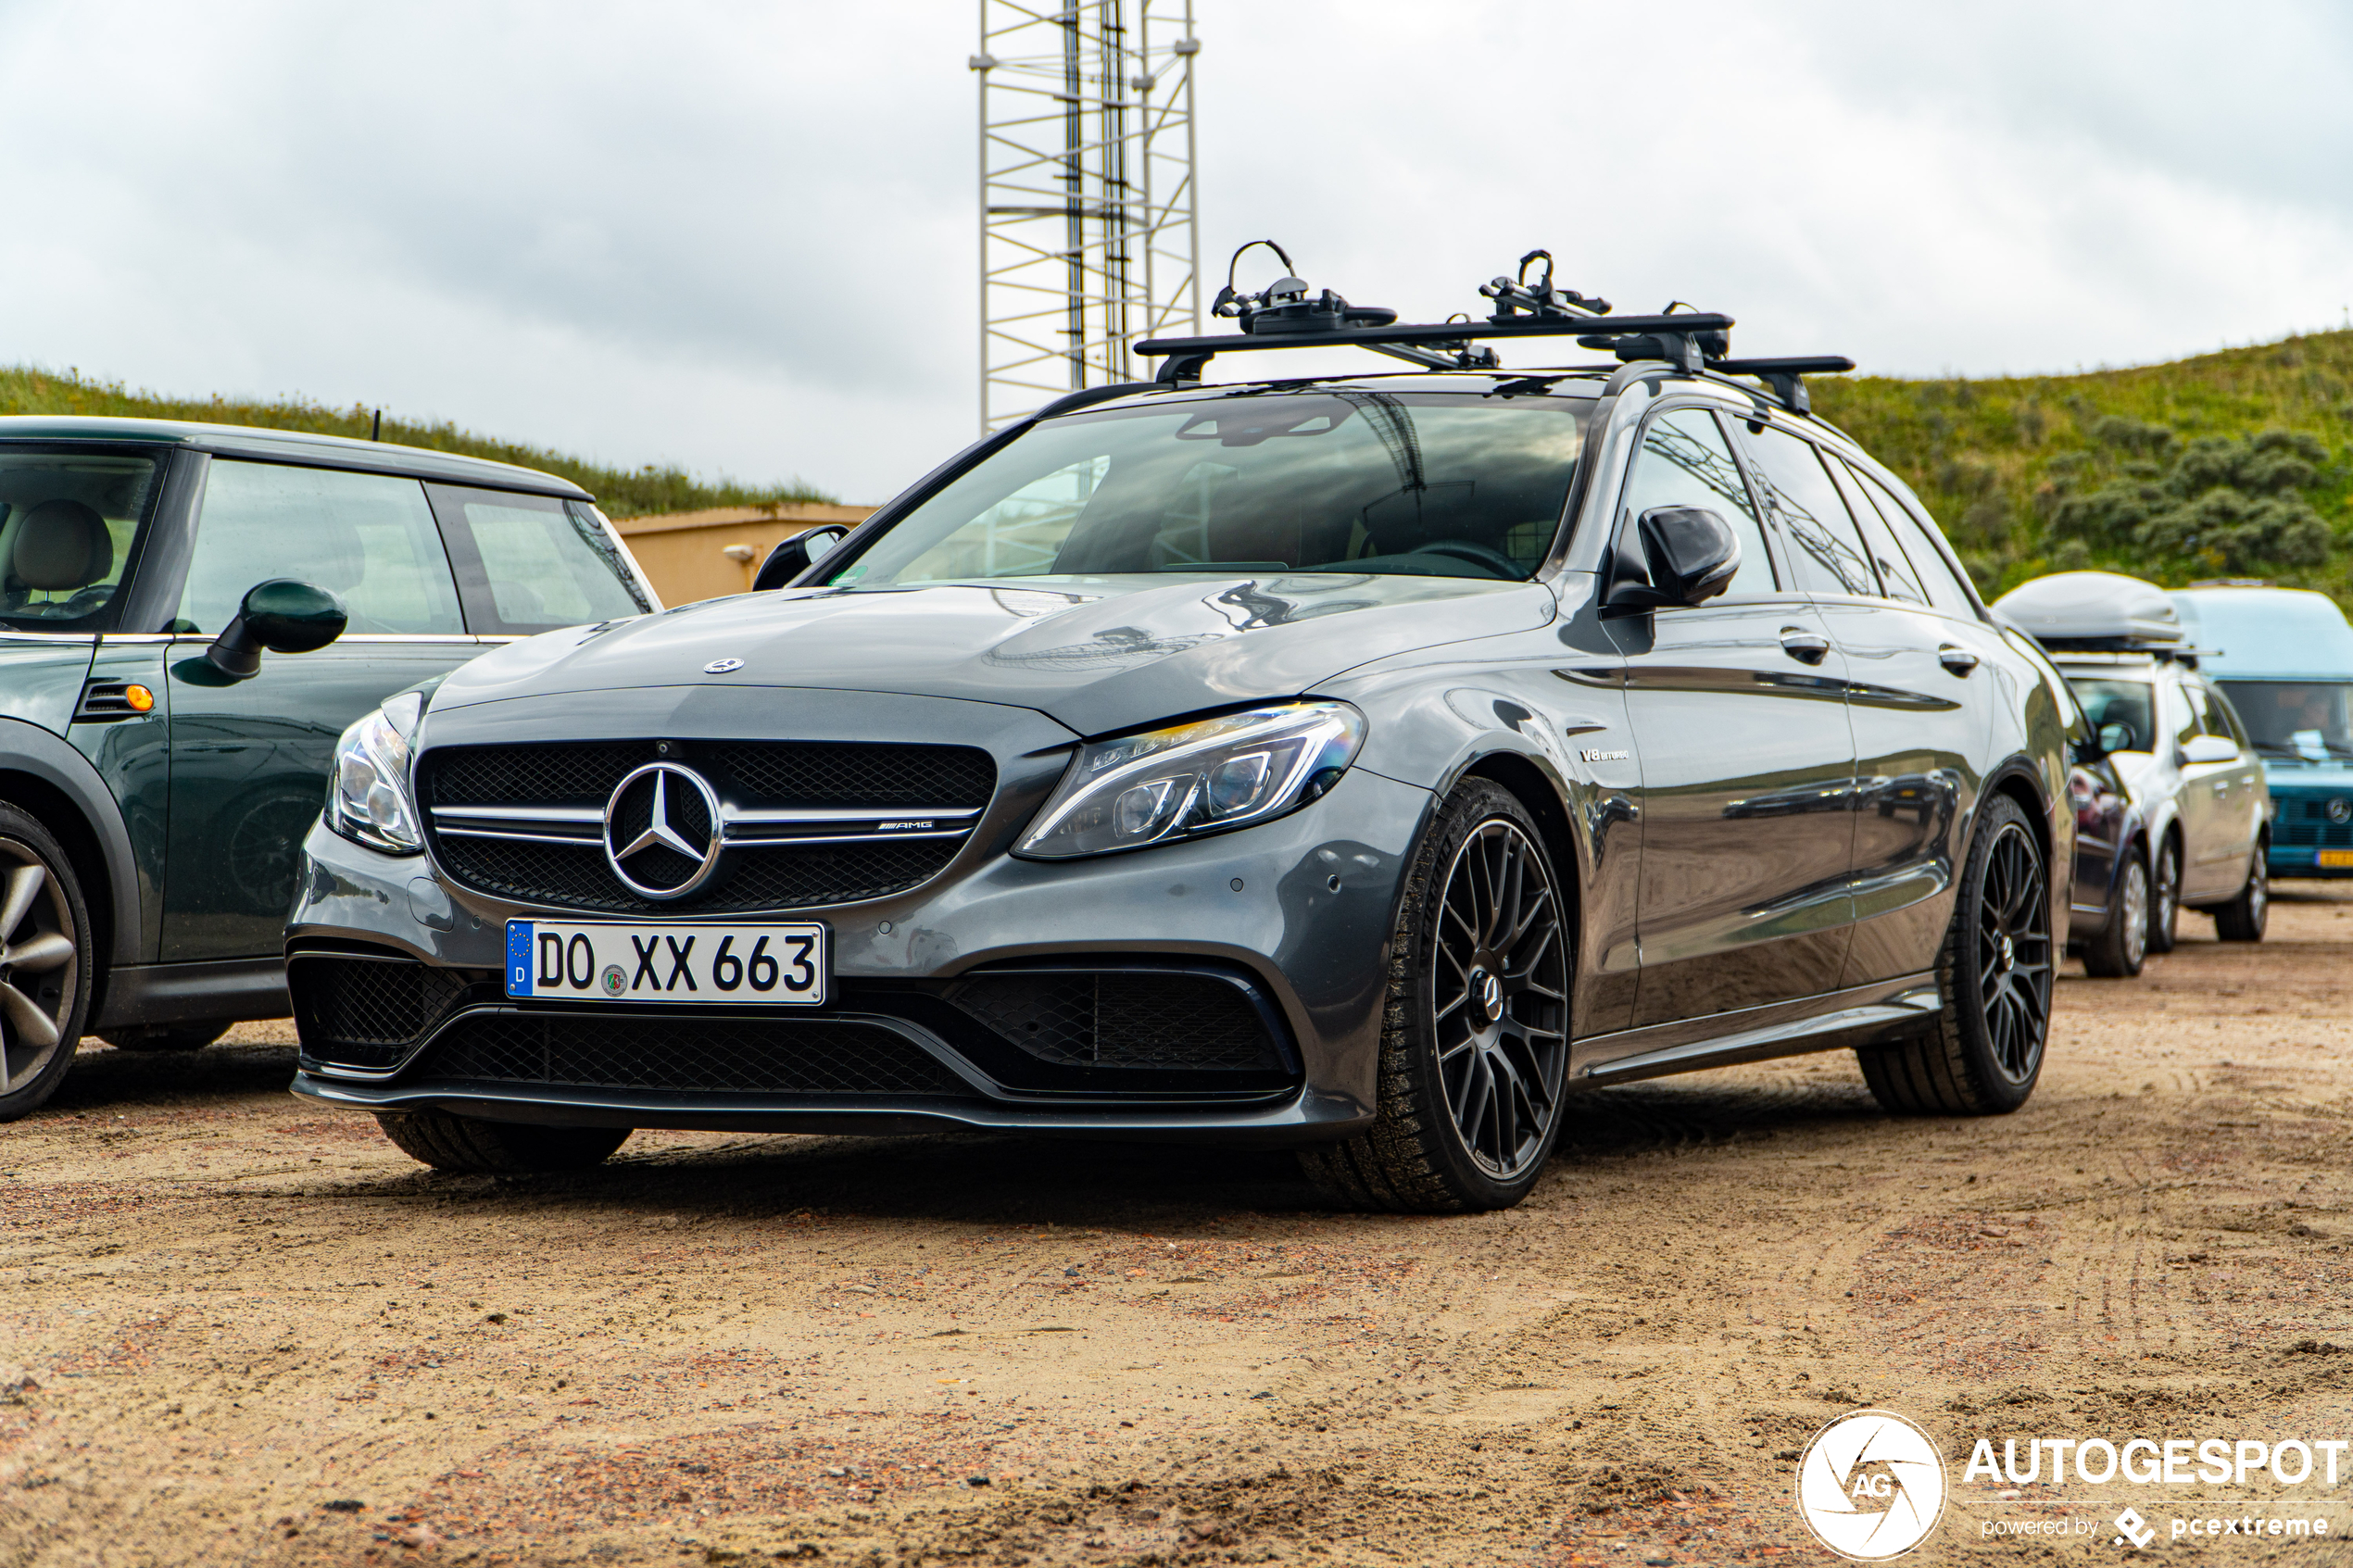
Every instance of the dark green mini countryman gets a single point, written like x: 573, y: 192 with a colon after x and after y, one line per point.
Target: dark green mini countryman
x: 189, y: 616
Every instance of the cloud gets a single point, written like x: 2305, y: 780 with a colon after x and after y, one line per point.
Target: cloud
x: 741, y: 236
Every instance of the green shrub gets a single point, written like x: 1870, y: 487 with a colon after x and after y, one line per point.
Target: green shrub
x: 2229, y: 464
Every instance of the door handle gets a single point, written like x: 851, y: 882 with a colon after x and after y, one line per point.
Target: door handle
x: 1806, y: 648
x: 1959, y: 660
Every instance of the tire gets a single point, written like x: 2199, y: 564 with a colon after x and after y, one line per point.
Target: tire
x: 193, y: 1036
x: 2122, y: 946
x: 449, y: 1142
x: 1474, y: 1057
x: 1983, y: 1053
x: 2165, y: 898
x: 2245, y: 918
x: 46, y: 963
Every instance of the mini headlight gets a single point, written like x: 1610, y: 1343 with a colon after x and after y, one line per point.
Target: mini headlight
x: 368, y: 792
x: 1193, y: 779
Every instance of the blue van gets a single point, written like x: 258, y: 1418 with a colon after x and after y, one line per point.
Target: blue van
x: 2285, y: 659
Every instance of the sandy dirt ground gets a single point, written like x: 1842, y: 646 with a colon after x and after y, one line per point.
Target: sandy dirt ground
x: 235, y: 1329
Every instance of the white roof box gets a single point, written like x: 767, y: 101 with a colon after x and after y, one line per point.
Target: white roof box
x: 2093, y: 610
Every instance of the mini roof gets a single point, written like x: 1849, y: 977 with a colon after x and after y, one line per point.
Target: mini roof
x: 289, y: 446
x: 2093, y: 610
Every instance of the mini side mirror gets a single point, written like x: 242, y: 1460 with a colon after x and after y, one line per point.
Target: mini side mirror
x: 793, y: 557
x: 282, y: 615
x: 2209, y: 748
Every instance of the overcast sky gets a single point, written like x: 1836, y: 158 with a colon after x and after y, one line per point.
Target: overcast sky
x: 740, y: 237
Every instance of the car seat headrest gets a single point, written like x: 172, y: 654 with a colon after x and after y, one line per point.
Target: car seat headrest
x: 60, y: 544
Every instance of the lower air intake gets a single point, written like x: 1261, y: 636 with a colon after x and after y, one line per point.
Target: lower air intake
x: 1138, y: 1019
x: 805, y: 1055
x: 367, y: 1012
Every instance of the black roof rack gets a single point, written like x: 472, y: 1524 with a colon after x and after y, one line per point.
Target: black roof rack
x: 1284, y: 315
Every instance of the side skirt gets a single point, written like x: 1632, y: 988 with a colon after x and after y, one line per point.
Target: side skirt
x: 1861, y: 1015
x: 184, y: 993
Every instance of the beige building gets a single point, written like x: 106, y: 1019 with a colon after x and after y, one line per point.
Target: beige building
x: 703, y: 555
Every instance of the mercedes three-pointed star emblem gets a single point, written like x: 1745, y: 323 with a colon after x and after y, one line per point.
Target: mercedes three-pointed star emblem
x: 679, y: 815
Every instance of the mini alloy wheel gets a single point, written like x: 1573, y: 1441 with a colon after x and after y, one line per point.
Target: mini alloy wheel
x: 44, y: 985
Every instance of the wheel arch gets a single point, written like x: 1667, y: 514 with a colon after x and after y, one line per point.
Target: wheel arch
x: 42, y: 775
x: 2016, y: 779
x: 1533, y: 786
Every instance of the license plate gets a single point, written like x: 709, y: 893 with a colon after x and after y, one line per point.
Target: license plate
x: 609, y: 961
x: 2336, y: 857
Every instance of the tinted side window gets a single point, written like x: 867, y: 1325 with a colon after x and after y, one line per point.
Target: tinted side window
x: 1897, y: 579
x: 1685, y: 462
x: 1945, y: 590
x: 1825, y: 552
x: 367, y: 538
x: 531, y: 563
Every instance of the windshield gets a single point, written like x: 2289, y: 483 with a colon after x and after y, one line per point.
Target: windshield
x: 2313, y: 719
x: 67, y: 521
x: 1430, y: 485
x: 2128, y: 705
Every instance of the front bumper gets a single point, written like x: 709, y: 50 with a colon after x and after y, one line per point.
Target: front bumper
x: 2302, y: 827
x: 1293, y: 915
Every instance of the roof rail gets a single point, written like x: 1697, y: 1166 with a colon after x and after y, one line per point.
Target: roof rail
x: 1284, y: 315
x: 1783, y: 375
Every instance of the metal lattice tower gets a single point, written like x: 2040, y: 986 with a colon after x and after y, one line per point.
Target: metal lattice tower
x: 1087, y: 238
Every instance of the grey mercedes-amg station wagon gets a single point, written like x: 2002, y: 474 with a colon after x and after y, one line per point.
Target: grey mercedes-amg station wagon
x: 1365, y: 764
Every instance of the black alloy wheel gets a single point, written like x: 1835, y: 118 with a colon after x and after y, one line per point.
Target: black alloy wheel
x: 1474, y: 1050
x: 1984, y: 1051
x: 44, y: 978
x: 2165, y: 898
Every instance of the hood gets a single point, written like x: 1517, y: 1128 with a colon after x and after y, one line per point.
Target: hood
x: 1099, y: 655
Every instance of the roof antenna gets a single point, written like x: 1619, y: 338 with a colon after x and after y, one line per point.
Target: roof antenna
x: 376, y: 431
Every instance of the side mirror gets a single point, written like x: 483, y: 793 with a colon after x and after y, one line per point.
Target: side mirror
x: 2116, y: 737
x: 1691, y: 554
x: 793, y: 557
x: 2209, y: 748
x: 282, y: 615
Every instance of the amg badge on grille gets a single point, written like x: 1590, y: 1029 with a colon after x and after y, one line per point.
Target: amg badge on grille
x: 662, y: 832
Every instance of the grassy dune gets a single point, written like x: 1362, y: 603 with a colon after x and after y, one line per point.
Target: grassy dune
x: 2000, y: 461
x: 621, y: 492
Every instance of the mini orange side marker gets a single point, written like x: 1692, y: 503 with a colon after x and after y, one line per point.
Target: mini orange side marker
x: 139, y: 697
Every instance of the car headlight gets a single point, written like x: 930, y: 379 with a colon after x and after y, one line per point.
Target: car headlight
x: 1193, y: 779
x: 368, y: 792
